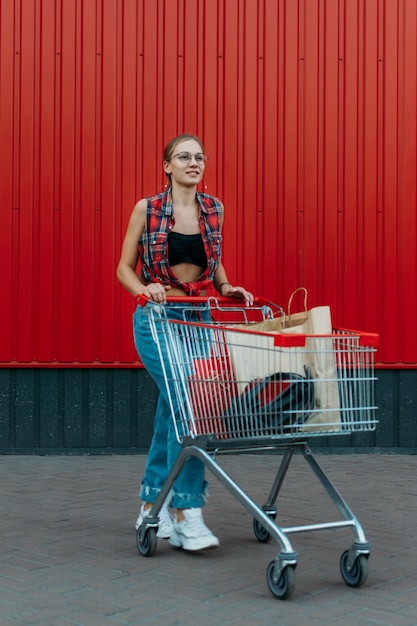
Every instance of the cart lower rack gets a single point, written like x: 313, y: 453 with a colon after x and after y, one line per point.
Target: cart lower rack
x: 233, y: 387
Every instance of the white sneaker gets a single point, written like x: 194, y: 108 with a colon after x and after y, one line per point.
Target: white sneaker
x: 166, y: 522
x: 192, y: 533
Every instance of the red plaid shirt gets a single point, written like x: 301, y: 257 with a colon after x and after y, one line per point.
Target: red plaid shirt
x: 153, y: 244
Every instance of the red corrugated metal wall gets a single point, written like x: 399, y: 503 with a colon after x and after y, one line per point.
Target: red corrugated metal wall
x: 308, y: 112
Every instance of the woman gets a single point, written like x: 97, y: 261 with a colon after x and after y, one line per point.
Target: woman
x: 175, y: 238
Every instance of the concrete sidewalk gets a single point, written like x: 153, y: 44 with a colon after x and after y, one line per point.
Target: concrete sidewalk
x: 68, y: 549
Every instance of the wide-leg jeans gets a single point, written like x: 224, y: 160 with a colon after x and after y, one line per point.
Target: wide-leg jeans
x: 189, y: 490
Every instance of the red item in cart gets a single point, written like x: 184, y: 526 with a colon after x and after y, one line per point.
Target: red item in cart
x: 212, y: 388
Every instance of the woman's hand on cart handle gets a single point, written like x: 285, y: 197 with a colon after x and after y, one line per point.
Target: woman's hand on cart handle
x: 155, y: 292
x: 228, y: 291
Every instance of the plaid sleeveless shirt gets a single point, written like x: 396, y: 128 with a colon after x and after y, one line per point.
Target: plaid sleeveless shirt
x: 153, y: 244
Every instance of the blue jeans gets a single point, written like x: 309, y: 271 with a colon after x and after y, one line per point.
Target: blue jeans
x: 189, y: 490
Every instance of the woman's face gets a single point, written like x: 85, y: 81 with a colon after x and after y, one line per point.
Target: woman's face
x: 187, y: 164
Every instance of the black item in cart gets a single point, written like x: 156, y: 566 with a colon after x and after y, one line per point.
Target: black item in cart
x: 268, y: 404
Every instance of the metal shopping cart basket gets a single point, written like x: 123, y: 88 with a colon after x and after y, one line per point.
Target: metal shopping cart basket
x: 234, y: 388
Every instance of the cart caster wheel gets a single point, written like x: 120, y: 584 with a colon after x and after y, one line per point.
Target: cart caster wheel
x: 357, y: 575
x: 283, y: 588
x: 147, y: 545
x: 260, y: 531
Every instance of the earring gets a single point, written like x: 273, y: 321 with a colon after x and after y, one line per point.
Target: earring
x: 203, y: 182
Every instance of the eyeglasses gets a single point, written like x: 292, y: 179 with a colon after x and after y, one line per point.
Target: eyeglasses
x: 185, y: 157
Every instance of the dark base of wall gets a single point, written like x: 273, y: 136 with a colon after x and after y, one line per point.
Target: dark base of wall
x: 110, y: 411
x: 143, y: 451
x: 73, y: 451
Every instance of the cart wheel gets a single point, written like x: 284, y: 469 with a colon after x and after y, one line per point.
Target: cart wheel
x: 261, y: 532
x: 286, y: 582
x: 357, y: 575
x: 147, y: 546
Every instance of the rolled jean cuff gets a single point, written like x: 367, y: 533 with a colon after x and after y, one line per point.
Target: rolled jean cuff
x: 190, y: 501
x: 178, y: 500
x: 148, y: 494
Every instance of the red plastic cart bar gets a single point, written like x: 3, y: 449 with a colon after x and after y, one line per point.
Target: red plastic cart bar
x: 284, y: 340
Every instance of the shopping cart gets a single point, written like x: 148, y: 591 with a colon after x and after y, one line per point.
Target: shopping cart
x: 234, y: 388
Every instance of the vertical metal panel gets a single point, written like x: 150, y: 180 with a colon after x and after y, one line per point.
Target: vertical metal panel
x: 308, y: 112
x: 43, y: 260
x: 7, y: 173
x: 407, y: 190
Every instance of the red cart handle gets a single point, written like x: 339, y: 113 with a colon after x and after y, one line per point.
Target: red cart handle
x: 222, y: 300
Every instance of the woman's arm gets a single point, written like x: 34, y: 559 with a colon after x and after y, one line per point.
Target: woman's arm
x: 224, y: 287
x: 129, y: 258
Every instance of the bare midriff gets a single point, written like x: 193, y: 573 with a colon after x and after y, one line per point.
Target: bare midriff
x: 186, y: 273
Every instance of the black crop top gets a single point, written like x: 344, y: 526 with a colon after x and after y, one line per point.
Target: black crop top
x: 186, y: 249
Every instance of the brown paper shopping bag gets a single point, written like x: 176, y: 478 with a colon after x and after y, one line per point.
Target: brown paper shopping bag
x: 254, y: 355
x: 321, y: 360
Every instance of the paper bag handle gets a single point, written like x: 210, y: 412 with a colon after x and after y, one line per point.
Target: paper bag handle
x: 292, y: 297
